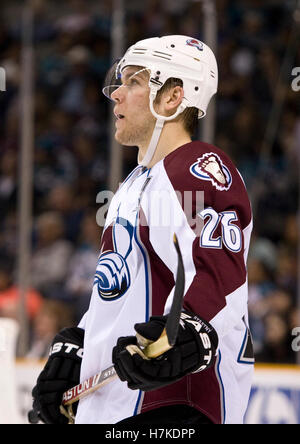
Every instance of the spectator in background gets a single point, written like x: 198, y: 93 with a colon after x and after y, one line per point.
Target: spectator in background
x: 8, y: 180
x: 261, y: 282
x: 51, y: 256
x: 73, y: 91
x: 57, y: 132
x: 52, y: 168
x: 294, y: 319
x: 82, y: 264
x: 92, y: 167
x: 77, y: 20
x: 63, y: 201
x: 277, y: 341
x: 286, y: 274
x: 277, y: 328
x: 10, y: 297
x: 51, y: 317
x: 8, y: 235
x: 287, y: 271
x: 280, y: 302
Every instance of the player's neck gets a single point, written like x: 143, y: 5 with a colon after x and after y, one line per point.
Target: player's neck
x: 172, y: 137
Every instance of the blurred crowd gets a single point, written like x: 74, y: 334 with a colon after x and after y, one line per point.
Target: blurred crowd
x: 71, y: 150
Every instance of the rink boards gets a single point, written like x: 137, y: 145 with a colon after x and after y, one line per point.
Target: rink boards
x: 275, y: 395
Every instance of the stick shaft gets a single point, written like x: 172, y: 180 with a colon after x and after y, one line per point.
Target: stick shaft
x: 172, y: 324
x: 89, y: 385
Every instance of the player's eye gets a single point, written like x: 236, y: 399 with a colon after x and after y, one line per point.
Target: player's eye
x: 133, y: 82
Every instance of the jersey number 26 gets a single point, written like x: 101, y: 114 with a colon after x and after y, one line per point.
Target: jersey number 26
x: 231, y: 236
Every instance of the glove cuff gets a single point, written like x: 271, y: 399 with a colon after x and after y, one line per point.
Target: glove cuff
x: 68, y: 342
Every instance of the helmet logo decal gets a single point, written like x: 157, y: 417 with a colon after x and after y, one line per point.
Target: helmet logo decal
x: 196, y: 43
x: 210, y: 167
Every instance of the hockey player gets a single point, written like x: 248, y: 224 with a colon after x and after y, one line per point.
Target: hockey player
x: 160, y: 88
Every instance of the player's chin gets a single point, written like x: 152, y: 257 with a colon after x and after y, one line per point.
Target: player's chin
x: 118, y: 137
x: 122, y: 139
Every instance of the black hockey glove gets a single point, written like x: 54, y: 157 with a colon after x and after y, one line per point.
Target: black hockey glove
x: 61, y: 372
x: 194, y: 351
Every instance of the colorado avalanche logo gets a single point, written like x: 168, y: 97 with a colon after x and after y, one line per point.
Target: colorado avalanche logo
x: 210, y: 167
x: 196, y: 43
x: 112, y: 276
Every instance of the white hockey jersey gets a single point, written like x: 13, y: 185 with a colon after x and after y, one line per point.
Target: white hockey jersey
x: 197, y: 193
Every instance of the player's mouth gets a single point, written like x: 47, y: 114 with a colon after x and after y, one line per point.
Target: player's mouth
x: 119, y: 116
x: 119, y: 119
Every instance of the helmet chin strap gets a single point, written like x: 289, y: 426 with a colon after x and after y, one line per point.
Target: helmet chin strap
x: 153, y: 143
x: 160, y: 121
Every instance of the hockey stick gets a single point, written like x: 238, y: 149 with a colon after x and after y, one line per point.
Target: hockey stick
x: 151, y: 350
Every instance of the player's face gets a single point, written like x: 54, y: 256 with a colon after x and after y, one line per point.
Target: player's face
x: 135, y: 122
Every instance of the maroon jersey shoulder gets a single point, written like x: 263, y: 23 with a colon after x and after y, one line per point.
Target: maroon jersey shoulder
x: 199, y: 166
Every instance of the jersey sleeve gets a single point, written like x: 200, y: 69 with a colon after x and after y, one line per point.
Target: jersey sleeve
x: 213, y: 222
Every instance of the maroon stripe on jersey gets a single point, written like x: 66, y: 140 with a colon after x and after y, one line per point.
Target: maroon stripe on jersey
x: 107, y: 243
x: 161, y: 278
x: 202, y: 391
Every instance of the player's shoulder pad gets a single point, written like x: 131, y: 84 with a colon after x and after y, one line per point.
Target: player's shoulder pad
x: 199, y: 165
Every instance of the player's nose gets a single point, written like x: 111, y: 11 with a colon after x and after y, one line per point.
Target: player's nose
x: 118, y: 94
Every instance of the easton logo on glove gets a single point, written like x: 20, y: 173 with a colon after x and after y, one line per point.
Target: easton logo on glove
x: 66, y: 347
x: 204, y: 330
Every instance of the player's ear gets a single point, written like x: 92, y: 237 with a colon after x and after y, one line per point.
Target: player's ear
x: 172, y: 99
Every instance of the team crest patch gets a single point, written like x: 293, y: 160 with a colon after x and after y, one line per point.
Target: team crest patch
x: 196, y: 43
x: 210, y: 167
x: 112, y: 277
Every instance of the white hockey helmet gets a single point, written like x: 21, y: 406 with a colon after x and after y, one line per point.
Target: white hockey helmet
x: 173, y: 56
